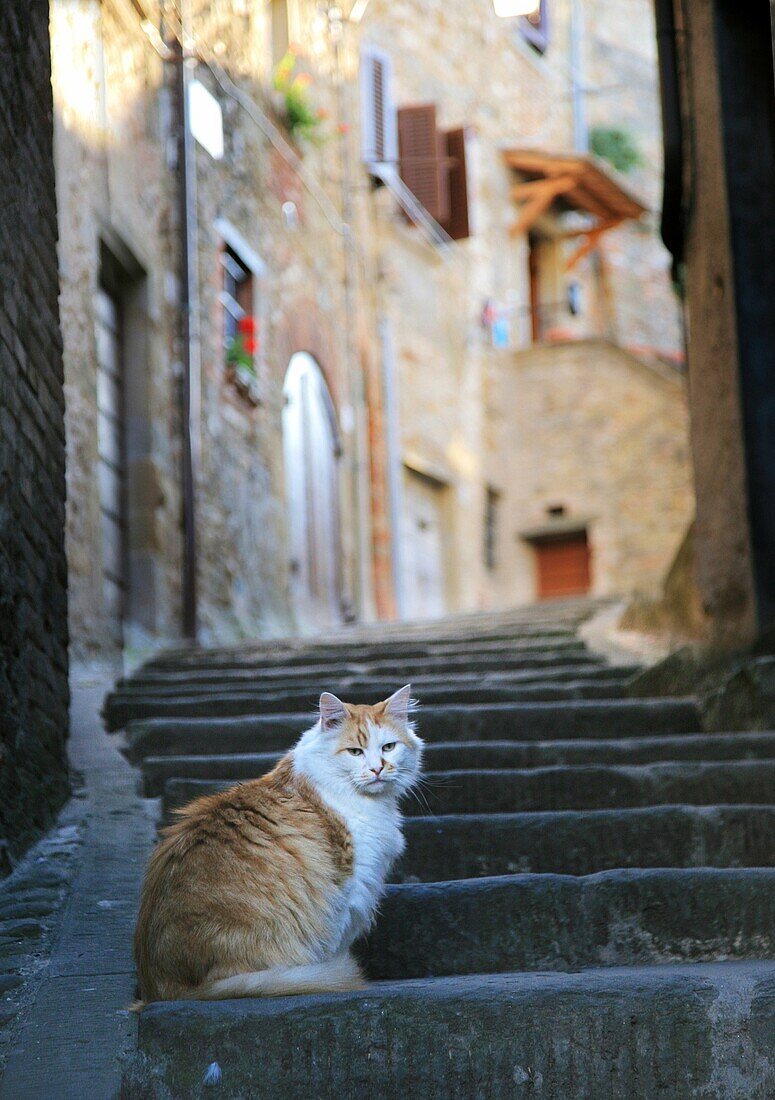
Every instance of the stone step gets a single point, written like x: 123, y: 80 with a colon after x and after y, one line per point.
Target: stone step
x: 122, y: 708
x: 407, y: 651
x: 359, y: 686
x: 487, y: 754
x: 680, y: 1031
x: 562, y: 787
x: 472, y: 663
x: 607, y: 720
x: 562, y: 922
x: 581, y: 842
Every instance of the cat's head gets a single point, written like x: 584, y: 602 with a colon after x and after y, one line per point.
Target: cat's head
x: 373, y: 748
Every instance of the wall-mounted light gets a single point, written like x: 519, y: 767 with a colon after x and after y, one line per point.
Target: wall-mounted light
x: 510, y: 9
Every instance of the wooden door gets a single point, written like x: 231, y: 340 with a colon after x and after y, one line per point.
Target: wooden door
x: 422, y: 547
x: 563, y: 566
x: 111, y: 466
x: 311, y: 483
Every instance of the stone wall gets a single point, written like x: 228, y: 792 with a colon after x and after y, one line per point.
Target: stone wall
x: 116, y: 196
x: 592, y: 429
x: 118, y: 182
x: 33, y: 574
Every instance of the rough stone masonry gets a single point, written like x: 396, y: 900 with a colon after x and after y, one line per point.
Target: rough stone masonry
x: 33, y: 572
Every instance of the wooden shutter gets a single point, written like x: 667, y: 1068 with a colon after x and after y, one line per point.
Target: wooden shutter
x: 378, y: 106
x: 457, y: 225
x: 422, y: 158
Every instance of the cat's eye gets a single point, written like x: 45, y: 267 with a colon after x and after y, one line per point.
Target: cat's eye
x: 389, y: 746
x: 355, y: 752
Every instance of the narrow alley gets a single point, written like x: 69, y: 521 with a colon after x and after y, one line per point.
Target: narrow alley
x: 352, y: 346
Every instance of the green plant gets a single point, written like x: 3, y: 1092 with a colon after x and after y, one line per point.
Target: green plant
x: 616, y: 146
x: 301, y: 116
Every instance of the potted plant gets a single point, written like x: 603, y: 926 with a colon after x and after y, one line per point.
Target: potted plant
x: 241, y: 350
x: 294, y: 100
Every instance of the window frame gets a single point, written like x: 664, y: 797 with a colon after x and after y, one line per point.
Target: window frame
x: 234, y: 246
x: 370, y: 56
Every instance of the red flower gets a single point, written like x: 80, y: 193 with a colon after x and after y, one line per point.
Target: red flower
x: 250, y: 345
x: 247, y: 325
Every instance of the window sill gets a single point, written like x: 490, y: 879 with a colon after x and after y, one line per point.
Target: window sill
x: 245, y: 383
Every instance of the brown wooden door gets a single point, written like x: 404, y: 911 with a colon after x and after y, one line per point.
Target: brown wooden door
x: 563, y: 566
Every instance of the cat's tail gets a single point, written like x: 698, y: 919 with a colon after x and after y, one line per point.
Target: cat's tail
x: 337, y: 975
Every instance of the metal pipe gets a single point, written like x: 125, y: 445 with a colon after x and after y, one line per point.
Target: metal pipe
x: 672, y: 132
x: 578, y: 87
x: 359, y: 466
x: 189, y: 314
x: 393, y: 441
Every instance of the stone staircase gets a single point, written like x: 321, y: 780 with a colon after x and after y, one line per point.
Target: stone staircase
x: 586, y: 907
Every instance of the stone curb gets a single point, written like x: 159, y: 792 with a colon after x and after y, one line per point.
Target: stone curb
x: 685, y: 1032
x: 32, y: 902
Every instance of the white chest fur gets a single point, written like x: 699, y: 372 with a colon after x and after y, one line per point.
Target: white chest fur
x: 374, y: 823
x: 375, y: 827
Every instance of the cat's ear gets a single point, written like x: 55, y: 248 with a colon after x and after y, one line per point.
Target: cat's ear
x: 397, y: 706
x: 332, y: 710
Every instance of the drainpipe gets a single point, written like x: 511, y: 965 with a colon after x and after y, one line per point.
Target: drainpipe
x: 359, y: 464
x: 393, y: 440
x: 189, y: 320
x: 672, y: 133
x: 578, y: 88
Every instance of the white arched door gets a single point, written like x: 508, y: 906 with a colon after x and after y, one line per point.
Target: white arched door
x: 310, y: 451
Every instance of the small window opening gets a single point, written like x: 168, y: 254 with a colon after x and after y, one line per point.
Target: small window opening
x: 556, y: 511
x: 491, y: 504
x: 280, y: 29
x: 240, y: 329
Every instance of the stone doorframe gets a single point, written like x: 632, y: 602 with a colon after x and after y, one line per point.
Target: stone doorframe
x: 124, y: 277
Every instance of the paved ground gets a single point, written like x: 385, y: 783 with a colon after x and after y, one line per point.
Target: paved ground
x: 67, y: 1024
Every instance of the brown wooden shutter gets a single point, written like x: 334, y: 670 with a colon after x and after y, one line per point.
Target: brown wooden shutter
x: 457, y: 225
x: 422, y: 164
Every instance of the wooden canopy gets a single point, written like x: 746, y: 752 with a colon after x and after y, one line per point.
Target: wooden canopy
x: 570, y: 181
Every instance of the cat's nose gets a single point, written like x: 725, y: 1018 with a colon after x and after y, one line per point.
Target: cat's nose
x: 377, y: 770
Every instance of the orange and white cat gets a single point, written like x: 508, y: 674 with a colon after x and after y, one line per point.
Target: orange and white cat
x: 261, y: 890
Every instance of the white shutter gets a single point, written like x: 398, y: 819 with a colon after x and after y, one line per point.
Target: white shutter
x: 378, y: 115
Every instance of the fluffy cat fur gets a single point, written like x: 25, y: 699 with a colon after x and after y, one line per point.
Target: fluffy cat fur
x: 260, y: 890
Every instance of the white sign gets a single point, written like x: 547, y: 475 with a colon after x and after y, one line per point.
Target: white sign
x: 206, y: 119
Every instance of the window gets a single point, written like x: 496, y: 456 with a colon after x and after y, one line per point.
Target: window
x: 243, y: 298
x: 491, y: 506
x: 433, y: 166
x: 378, y: 116
x: 280, y: 29
x: 535, y: 27
x: 237, y: 297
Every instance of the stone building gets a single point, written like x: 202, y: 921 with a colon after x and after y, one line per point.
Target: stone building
x: 540, y: 435
x: 268, y: 258
x: 314, y: 368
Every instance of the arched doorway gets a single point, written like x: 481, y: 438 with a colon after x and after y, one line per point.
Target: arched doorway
x: 311, y: 452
